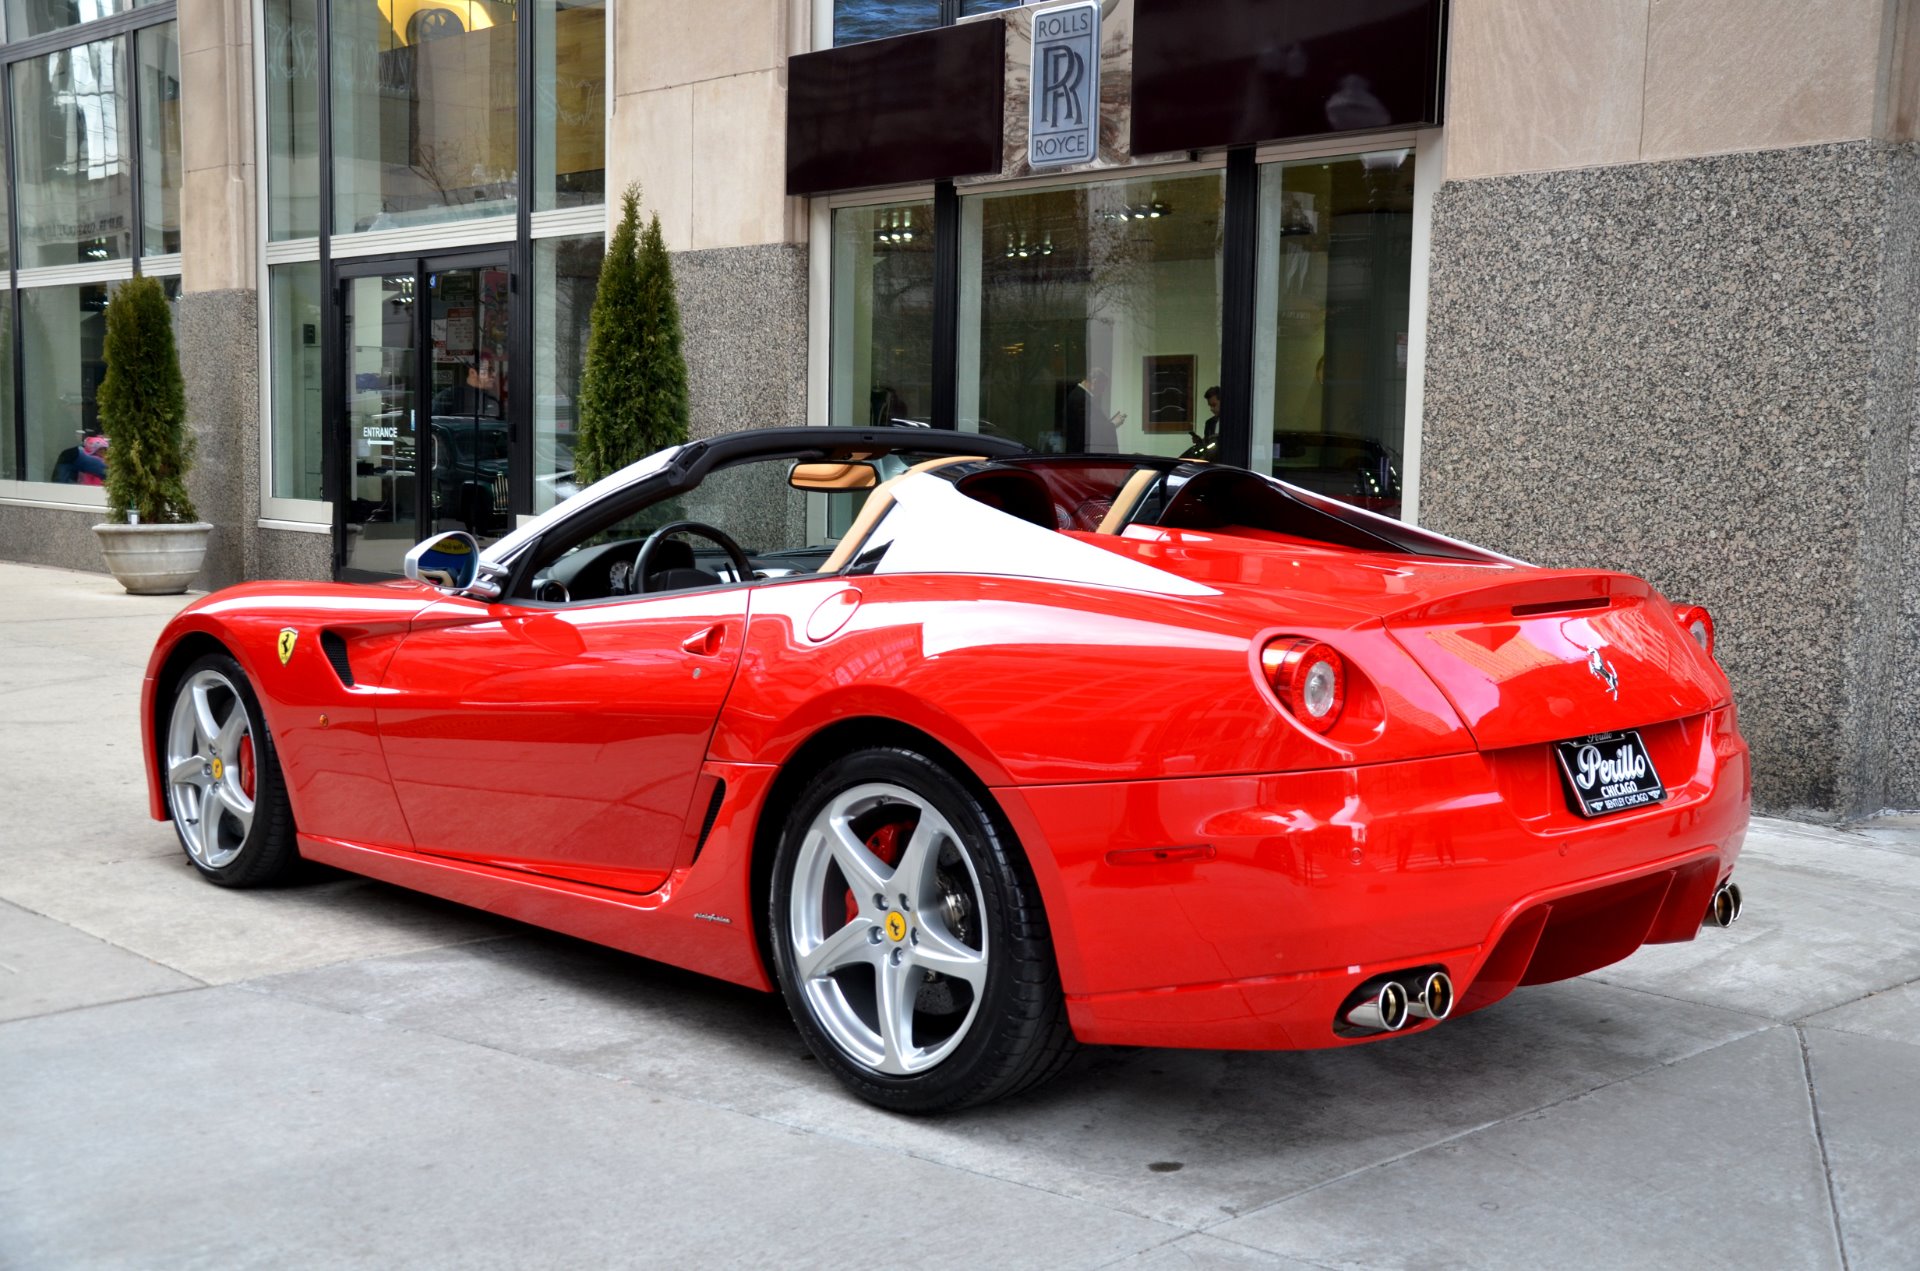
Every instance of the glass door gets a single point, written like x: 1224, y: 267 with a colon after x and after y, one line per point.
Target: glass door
x: 429, y: 433
x: 382, y: 461
x: 472, y: 433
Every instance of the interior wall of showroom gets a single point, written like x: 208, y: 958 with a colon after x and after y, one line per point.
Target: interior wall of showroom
x: 699, y: 120
x: 1672, y: 329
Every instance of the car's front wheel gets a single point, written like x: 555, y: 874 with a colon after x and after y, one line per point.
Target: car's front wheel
x: 909, y: 938
x: 224, y: 788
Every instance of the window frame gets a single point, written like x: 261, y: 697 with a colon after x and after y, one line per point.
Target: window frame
x: 124, y: 26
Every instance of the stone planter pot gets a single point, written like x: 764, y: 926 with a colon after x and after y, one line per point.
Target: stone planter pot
x: 154, y: 560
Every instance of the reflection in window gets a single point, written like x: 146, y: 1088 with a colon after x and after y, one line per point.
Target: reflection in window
x: 566, y: 272
x: 570, y: 103
x: 1090, y: 315
x: 292, y: 89
x: 159, y: 69
x: 1330, y: 368
x: 36, y: 17
x: 62, y: 330
x: 295, y: 315
x: 969, y: 8
x: 882, y: 314
x: 425, y: 112
x: 857, y: 20
x: 73, y: 167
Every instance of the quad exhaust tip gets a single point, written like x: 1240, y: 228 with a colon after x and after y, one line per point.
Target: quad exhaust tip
x: 1430, y: 995
x: 1724, y: 909
x: 1383, y: 1008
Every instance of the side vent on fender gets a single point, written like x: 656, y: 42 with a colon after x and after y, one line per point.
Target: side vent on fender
x: 713, y: 814
x: 335, y: 648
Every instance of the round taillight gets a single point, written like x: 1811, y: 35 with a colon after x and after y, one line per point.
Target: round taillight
x: 1698, y: 623
x: 1308, y: 677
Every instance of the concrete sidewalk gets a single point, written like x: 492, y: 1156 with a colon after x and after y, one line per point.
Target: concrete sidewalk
x: 343, y: 1074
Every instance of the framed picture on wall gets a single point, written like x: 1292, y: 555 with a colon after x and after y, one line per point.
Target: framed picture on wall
x: 1168, y: 391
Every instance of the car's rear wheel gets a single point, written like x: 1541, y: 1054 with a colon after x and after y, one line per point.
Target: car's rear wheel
x: 223, y: 782
x: 909, y: 938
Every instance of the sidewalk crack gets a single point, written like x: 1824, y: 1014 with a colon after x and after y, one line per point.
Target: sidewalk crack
x: 1820, y: 1137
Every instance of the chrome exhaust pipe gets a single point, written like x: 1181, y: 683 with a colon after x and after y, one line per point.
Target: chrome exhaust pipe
x: 1724, y: 909
x: 1430, y: 996
x: 1382, y: 1009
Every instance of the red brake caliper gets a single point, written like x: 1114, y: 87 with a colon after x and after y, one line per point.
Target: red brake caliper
x: 885, y: 844
x: 246, y: 766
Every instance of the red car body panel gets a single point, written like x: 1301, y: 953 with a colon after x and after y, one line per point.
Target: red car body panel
x: 1215, y: 872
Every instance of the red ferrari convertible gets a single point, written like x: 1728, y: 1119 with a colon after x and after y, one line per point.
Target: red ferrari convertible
x: 972, y: 753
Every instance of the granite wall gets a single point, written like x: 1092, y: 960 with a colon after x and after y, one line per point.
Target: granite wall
x: 58, y: 537
x: 743, y: 316
x: 1702, y: 370
x: 218, y: 336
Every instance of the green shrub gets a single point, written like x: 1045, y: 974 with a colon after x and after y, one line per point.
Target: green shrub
x: 143, y: 409
x: 633, y: 392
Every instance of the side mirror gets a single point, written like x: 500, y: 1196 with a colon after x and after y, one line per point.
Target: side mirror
x: 450, y: 562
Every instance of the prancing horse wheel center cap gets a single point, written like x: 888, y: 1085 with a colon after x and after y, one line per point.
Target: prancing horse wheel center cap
x: 896, y: 926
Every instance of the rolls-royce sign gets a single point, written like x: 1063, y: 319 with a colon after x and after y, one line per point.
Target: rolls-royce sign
x: 1064, y: 115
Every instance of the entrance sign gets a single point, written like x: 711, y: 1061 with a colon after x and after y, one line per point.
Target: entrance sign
x: 1064, y: 112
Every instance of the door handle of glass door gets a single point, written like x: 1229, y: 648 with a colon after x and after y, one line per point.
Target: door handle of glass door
x: 706, y: 642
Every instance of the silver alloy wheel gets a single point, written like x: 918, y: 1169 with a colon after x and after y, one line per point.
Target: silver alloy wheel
x: 903, y: 929
x: 210, y: 749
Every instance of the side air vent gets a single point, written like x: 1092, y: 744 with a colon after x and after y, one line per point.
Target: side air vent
x: 335, y: 648
x: 713, y: 814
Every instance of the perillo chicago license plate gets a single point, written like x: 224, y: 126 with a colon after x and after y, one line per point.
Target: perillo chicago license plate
x: 1611, y: 772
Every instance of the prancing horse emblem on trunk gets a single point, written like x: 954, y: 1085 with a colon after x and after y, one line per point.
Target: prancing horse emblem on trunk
x: 1604, y: 672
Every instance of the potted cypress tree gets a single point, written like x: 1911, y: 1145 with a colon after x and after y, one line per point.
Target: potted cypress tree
x: 155, y: 543
x: 633, y: 390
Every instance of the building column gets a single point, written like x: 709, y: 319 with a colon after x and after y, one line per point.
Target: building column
x: 699, y: 120
x: 1672, y: 330
x: 216, y: 323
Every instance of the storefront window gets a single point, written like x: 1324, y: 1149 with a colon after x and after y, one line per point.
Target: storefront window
x: 73, y: 165
x: 882, y: 314
x: 292, y: 90
x: 1330, y: 364
x: 296, y: 313
x: 425, y: 113
x: 566, y: 272
x: 1090, y: 315
x: 37, y: 17
x: 159, y: 62
x: 62, y: 329
x: 857, y: 20
x: 968, y: 8
x: 570, y: 103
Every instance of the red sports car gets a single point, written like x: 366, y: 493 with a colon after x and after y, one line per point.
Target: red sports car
x: 972, y: 753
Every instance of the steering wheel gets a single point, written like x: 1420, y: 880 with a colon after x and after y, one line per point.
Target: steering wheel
x: 742, y: 569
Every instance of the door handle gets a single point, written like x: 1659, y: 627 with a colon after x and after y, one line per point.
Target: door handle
x: 706, y: 642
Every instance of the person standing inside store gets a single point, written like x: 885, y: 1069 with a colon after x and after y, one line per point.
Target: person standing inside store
x: 1210, y: 430
x: 1085, y: 424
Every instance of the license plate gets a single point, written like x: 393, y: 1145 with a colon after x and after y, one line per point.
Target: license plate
x: 1608, y: 773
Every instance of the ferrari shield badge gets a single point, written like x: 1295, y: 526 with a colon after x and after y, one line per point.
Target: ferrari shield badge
x: 287, y: 636
x: 896, y: 926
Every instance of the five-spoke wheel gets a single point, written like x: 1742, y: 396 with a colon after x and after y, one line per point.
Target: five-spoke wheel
x: 223, y: 785
x: 909, y: 938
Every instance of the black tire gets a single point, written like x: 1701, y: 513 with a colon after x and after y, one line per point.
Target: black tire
x: 267, y: 851
x: 1016, y: 1035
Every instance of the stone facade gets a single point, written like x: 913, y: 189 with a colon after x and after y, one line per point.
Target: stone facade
x: 743, y: 314
x: 1702, y: 370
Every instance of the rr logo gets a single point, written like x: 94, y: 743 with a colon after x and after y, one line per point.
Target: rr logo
x: 1065, y: 71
